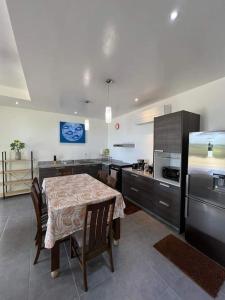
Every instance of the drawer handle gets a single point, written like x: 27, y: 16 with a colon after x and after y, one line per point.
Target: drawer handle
x: 133, y: 189
x: 165, y: 185
x: 164, y: 203
x: 134, y: 175
x: 158, y: 150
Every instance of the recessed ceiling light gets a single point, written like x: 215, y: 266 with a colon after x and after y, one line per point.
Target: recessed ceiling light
x: 75, y: 112
x: 17, y: 102
x: 173, y: 15
x: 136, y: 99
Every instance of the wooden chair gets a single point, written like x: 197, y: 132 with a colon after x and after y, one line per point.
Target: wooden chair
x: 96, y: 238
x: 102, y: 176
x: 41, y: 225
x: 112, y: 182
x: 42, y: 204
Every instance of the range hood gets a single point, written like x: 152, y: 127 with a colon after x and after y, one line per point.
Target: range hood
x: 125, y: 145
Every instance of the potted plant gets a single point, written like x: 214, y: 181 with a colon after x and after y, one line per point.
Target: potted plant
x: 17, y: 146
x: 106, y: 152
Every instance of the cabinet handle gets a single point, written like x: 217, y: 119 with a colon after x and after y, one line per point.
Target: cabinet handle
x: 164, y: 203
x: 187, y: 185
x: 158, y: 150
x: 134, y: 175
x: 133, y: 189
x: 186, y: 208
x: 165, y: 185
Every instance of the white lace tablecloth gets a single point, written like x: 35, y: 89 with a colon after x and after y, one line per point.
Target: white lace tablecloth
x: 67, y: 197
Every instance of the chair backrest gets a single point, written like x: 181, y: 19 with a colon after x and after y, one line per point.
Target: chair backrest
x: 36, y: 185
x: 112, y: 182
x: 102, y: 176
x: 36, y: 204
x: 100, y: 216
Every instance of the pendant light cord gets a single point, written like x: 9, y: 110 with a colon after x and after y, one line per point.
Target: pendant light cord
x: 108, y: 94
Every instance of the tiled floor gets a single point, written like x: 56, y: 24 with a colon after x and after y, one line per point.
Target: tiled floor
x: 140, y: 271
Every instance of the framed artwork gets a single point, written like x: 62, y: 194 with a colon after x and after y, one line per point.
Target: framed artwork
x: 72, y: 133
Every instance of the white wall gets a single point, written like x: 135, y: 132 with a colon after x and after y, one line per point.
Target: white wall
x: 40, y: 131
x: 207, y: 100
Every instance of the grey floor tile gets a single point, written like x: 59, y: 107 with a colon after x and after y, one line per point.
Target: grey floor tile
x: 14, y: 277
x: 17, y: 236
x: 3, y: 221
x: 141, y: 272
x: 168, y: 294
x: 44, y: 287
x: 97, y: 273
x: 188, y: 289
x: 44, y: 262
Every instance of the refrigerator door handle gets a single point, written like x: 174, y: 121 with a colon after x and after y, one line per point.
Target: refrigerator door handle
x: 187, y: 185
x: 186, y: 207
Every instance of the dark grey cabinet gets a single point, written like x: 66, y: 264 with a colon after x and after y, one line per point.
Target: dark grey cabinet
x: 171, y: 131
x: 138, y: 189
x: 167, y: 202
x: 91, y: 169
x: 167, y: 133
x: 161, y: 199
x: 171, y: 135
x: 45, y: 173
x: 54, y: 171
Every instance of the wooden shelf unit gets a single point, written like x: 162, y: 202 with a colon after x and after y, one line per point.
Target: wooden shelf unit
x: 23, y: 176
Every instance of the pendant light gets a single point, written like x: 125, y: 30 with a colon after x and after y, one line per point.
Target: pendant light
x: 108, y: 109
x: 86, y: 125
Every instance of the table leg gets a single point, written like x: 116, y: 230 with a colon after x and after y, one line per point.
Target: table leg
x: 116, y: 231
x: 55, y: 254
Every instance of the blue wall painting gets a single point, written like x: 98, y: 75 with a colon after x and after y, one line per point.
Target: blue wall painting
x: 72, y: 133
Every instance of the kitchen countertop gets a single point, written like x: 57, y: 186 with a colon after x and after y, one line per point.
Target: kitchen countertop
x: 72, y: 163
x: 141, y: 173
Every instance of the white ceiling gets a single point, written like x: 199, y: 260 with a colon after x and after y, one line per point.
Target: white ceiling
x: 68, y: 49
x: 12, y: 80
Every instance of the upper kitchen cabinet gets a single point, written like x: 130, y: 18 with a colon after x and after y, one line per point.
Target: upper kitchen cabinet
x: 171, y: 130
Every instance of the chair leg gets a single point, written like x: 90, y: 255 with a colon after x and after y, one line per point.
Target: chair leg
x: 39, y: 246
x: 111, y: 258
x: 84, y: 267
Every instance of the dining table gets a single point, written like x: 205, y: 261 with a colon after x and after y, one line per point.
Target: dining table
x: 67, y: 198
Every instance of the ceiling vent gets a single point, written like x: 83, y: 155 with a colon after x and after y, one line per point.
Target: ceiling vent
x: 147, y: 116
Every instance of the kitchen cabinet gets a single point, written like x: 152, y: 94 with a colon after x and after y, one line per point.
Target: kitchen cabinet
x: 158, y: 198
x: 167, y: 202
x: 54, y: 172
x: 138, y: 189
x: 171, y: 138
x: 171, y: 131
x: 91, y: 169
x: 167, y: 133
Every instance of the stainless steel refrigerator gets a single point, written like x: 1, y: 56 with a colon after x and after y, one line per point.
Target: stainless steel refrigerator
x: 205, y: 194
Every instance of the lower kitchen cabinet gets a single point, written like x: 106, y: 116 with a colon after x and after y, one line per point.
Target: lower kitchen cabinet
x: 91, y: 169
x: 167, y: 202
x: 54, y: 172
x: 161, y: 199
x: 138, y: 189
